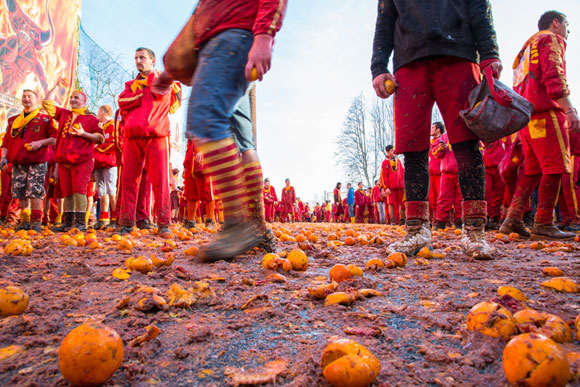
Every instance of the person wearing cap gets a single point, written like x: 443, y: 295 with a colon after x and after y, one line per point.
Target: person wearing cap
x: 26, y: 147
x: 78, y: 132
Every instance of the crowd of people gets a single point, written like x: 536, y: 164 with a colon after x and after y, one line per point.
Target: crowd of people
x: 58, y: 163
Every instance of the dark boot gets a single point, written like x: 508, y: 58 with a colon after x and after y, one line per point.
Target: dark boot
x: 550, y: 232
x: 417, y: 227
x: 439, y: 225
x: 473, y: 237
x: 36, y: 226
x: 511, y: 225
x: 144, y: 225
x: 67, y: 222
x: 235, y: 239
x: 81, y: 221
x: 22, y: 225
x: 492, y: 224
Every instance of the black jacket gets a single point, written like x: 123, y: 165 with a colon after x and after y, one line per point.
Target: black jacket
x: 416, y: 29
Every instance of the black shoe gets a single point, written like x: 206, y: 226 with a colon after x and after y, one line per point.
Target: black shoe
x: 164, y: 232
x: 234, y: 240
x: 22, y: 226
x: 268, y: 242
x: 492, y: 224
x: 439, y: 225
x: 571, y: 227
x: 81, y: 221
x: 189, y: 224
x: 36, y: 226
x: 125, y: 230
x: 144, y: 225
x: 101, y: 224
x: 458, y: 224
x: 67, y: 222
x: 510, y: 225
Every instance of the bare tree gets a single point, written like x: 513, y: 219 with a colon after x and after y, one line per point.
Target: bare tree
x: 99, y: 73
x: 382, y: 120
x: 354, y: 151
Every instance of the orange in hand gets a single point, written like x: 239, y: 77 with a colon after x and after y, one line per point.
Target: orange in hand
x: 254, y: 75
x: 390, y: 86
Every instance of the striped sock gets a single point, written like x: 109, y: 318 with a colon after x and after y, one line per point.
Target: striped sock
x: 254, y: 187
x: 222, y: 163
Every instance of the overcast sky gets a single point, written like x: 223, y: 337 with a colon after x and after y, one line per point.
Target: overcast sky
x: 321, y: 62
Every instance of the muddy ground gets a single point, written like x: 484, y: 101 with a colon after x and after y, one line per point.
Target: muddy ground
x: 416, y: 329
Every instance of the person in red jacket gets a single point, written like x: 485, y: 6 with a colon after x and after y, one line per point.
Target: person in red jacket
x: 568, y: 200
x: 146, y: 141
x: 270, y: 199
x: 359, y: 203
x: 338, y: 210
x: 437, y: 129
x: 26, y: 147
x: 378, y: 205
x: 106, y: 167
x: 235, y: 40
x: 540, y: 77
x: 393, y: 181
x: 288, y: 200
x: 78, y: 131
x: 449, y: 200
x: 493, y: 153
x: 198, y: 188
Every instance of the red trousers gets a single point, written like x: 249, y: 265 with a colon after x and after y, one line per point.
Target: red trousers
x: 75, y: 178
x: 570, y: 194
x: 449, y: 200
x: 143, y: 198
x: 269, y: 212
x: 494, y: 191
x: 359, y: 216
x: 434, y: 188
x: 286, y: 211
x: 9, y: 208
x: 446, y: 81
x: 396, y: 200
x: 153, y: 155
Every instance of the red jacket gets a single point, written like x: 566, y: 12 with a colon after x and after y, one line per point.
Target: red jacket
x: 447, y: 157
x: 71, y: 149
x: 258, y: 16
x: 392, y: 174
x: 493, y: 153
x: 376, y: 197
x: 39, y: 128
x: 147, y: 113
x: 270, y: 195
x: 288, y: 195
x: 105, y: 153
x: 540, y: 71
x: 434, y: 162
x: 337, y: 197
x: 360, y: 197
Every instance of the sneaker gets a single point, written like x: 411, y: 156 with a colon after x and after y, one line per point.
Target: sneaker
x: 550, y: 232
x: 233, y: 240
x: 36, y: 226
x: 511, y: 225
x: 268, y: 242
x: 125, y: 230
x: 473, y: 240
x: 101, y: 224
x: 22, y: 226
x: 418, y: 236
x: 144, y: 225
x: 164, y: 232
x: 189, y: 224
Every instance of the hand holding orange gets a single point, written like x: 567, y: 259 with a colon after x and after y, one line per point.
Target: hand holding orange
x: 390, y: 86
x: 254, y: 75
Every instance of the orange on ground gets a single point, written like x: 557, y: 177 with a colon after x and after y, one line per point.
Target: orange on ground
x: 13, y: 301
x: 298, y: 259
x: 491, y: 319
x: 339, y: 273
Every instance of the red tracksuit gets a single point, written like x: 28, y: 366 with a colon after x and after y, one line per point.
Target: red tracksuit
x: 287, y: 201
x: 360, y: 203
x: 393, y: 178
x: 434, y: 178
x: 146, y: 147
x: 269, y: 199
x: 570, y: 192
x: 493, y: 153
x: 449, y: 200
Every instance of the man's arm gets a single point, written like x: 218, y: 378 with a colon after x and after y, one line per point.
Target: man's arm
x: 129, y: 100
x: 383, y: 44
x: 481, y: 22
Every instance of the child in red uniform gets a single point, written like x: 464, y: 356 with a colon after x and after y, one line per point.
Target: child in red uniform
x: 449, y: 200
x: 288, y: 201
x: 106, y: 166
x: 74, y: 153
x: 26, y: 146
x: 359, y: 203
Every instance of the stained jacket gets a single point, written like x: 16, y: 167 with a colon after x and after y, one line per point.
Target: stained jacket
x: 447, y: 157
x: 392, y: 174
x: 415, y: 29
x: 258, y: 16
x: 540, y: 71
x: 39, y: 128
